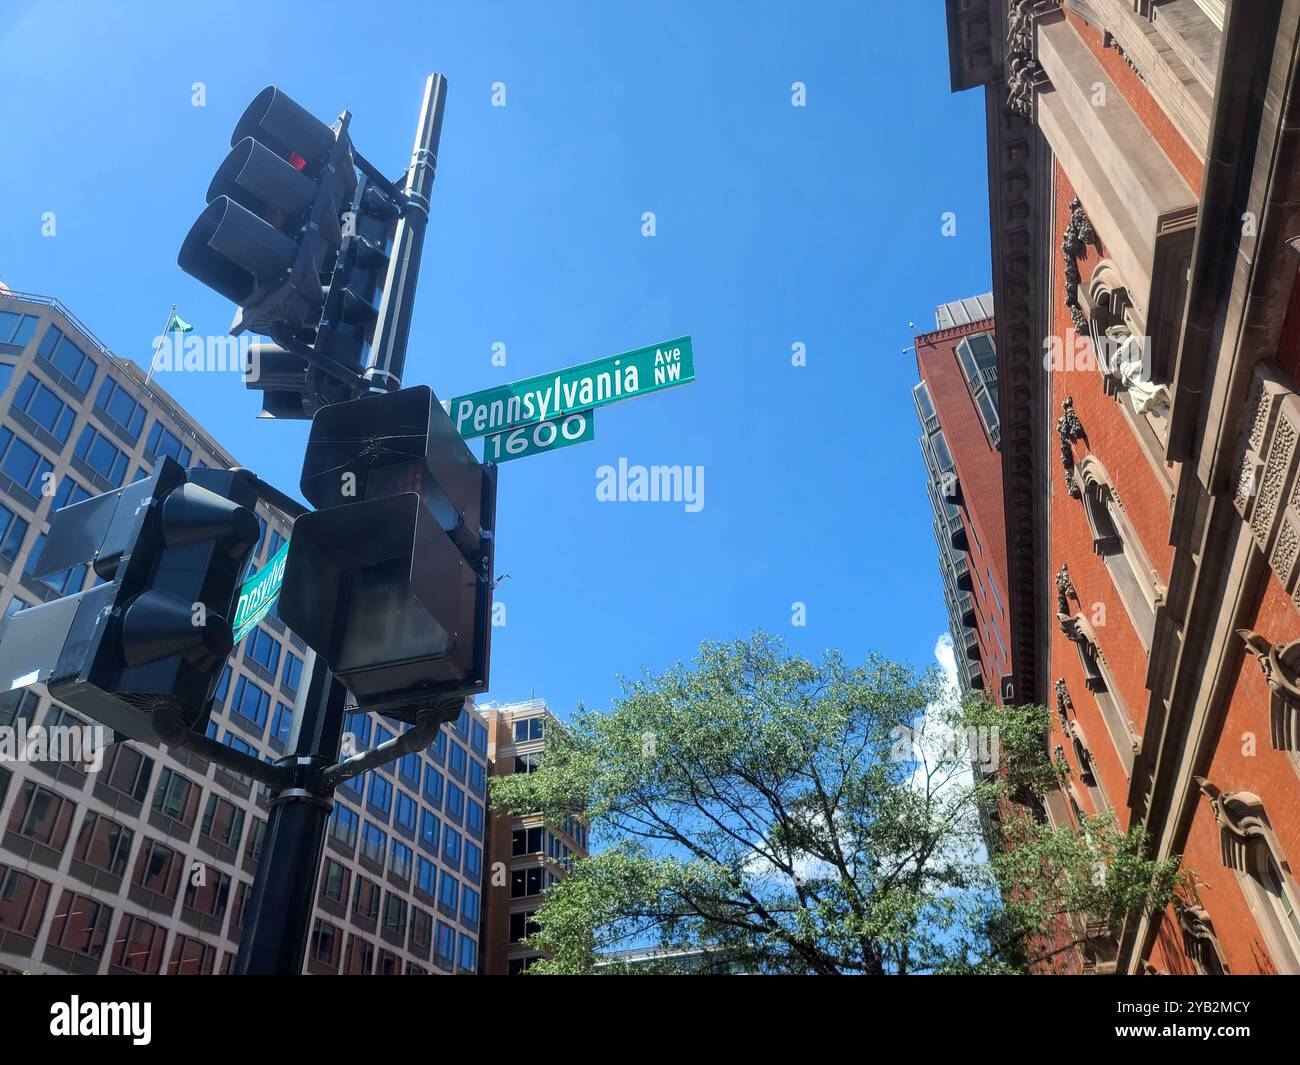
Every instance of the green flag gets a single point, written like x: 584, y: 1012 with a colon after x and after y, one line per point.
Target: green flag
x: 178, y: 325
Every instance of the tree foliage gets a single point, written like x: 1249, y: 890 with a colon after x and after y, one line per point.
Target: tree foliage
x: 792, y: 816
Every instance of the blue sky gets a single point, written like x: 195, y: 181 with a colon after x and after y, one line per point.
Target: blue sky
x: 775, y: 224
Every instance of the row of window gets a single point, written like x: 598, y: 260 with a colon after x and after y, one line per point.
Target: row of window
x: 450, y: 949
x: 80, y: 926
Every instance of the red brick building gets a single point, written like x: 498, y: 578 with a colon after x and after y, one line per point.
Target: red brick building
x: 1143, y: 189
x: 957, y: 406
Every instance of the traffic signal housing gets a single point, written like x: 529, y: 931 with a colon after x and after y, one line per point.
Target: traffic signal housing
x: 299, y: 241
x: 390, y: 580
x: 141, y: 651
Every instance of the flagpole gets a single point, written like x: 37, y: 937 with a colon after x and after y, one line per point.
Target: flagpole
x: 171, y: 315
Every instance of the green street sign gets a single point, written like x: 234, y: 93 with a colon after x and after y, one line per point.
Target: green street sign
x: 536, y: 437
x: 258, y: 594
x: 579, y: 388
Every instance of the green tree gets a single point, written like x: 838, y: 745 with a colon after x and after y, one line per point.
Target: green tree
x: 792, y: 816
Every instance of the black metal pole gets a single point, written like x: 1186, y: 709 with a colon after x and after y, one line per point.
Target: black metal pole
x: 275, y: 935
x: 393, y: 326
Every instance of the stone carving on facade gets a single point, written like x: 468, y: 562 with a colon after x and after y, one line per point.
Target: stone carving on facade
x: 1074, y: 244
x: 1024, y: 73
x: 1280, y: 664
x: 1241, y: 820
x: 1064, y: 705
x: 1064, y: 589
x: 1069, y: 429
x: 1267, y: 483
x: 1199, y: 940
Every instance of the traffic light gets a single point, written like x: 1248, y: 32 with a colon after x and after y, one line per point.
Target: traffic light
x: 299, y: 242
x: 390, y: 579
x: 149, y: 642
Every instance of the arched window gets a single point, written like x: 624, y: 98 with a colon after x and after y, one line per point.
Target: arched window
x: 1116, y: 541
x: 1098, y: 680
x: 1252, y: 851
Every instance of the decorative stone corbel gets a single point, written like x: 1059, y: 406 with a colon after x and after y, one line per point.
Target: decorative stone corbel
x: 1078, y: 234
x: 1199, y: 940
x: 1069, y: 429
x: 1280, y: 664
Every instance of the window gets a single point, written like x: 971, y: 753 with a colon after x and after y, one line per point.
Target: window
x: 22, y: 902
x: 522, y: 926
x: 103, y: 456
x: 1115, y: 540
x: 478, y: 737
x: 250, y: 702
x: 365, y: 898
x: 162, y: 441
x: 477, y: 778
x: 402, y: 857
x: 474, y: 816
x: 526, y: 882
x: 67, y: 358
x: 468, y: 952
x: 360, y: 957
x: 343, y: 825
x: 256, y: 838
x: 394, y: 914
x: 191, y: 957
x: 530, y: 728
x: 409, y: 768
x: 42, y: 815
x: 381, y: 792
x: 129, y: 772
x: 421, y: 928
x: 17, y: 329
x: 432, y: 786
x: 444, y: 944
x: 1251, y: 848
x: 456, y: 761
x: 430, y: 828
x: 451, y: 840
x: 13, y: 530
x: 325, y: 943
x: 526, y: 841
x: 293, y: 676
x: 357, y: 725
x: 455, y: 807
x: 407, y: 809
x: 282, y: 723
x: 473, y: 859
x: 45, y: 408
x: 158, y: 869
x: 374, y: 841
x: 176, y: 797
x: 211, y: 896
x: 438, y: 748
x: 24, y: 465
x: 449, y: 890
x: 223, y: 822
x: 104, y: 844
x: 264, y: 649
x: 80, y: 925
x: 334, y: 881
x: 6, y: 375
x: 526, y: 763
x: 139, y: 945
x: 426, y: 876
x: 116, y: 402
x: 469, y: 904
x: 1098, y: 679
